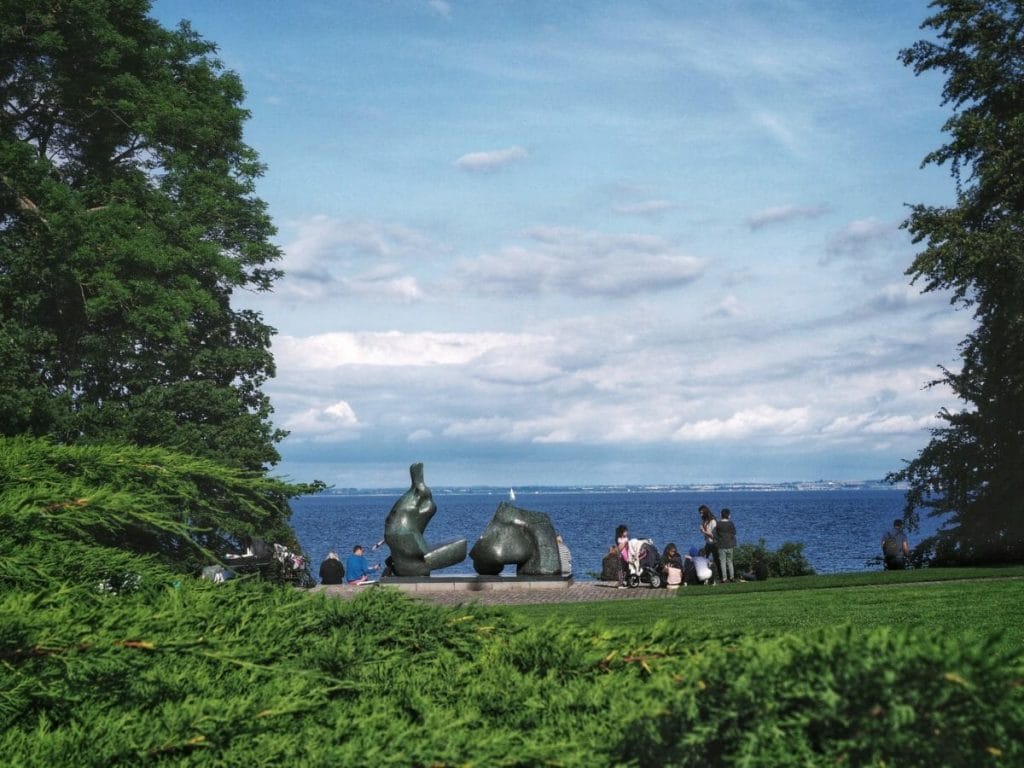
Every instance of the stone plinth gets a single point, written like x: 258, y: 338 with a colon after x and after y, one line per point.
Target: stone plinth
x: 475, y: 583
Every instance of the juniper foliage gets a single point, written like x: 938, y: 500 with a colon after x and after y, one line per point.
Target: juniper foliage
x: 88, y: 514
x: 182, y: 671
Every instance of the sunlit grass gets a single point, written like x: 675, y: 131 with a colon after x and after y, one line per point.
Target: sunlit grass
x: 958, y: 601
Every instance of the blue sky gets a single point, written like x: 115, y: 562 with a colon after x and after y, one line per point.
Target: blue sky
x: 592, y: 242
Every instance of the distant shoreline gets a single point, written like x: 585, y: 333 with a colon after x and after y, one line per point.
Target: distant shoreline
x: 798, y: 486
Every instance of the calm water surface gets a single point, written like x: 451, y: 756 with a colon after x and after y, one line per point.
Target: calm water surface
x: 840, y: 530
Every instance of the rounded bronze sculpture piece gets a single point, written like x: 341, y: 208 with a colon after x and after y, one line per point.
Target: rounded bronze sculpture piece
x: 403, y: 532
x: 517, y: 536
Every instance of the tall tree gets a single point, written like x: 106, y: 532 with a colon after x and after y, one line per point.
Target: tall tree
x: 128, y: 220
x: 972, y: 471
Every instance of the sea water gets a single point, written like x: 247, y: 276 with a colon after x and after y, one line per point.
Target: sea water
x: 839, y: 529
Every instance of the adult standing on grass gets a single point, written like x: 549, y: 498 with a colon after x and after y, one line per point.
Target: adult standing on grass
x: 708, y: 529
x: 895, y: 547
x: 726, y: 541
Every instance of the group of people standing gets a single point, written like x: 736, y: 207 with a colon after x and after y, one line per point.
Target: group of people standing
x: 711, y: 563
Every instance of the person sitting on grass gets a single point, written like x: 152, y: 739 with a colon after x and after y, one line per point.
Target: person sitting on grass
x: 670, y: 566
x: 758, y: 568
x: 357, y: 568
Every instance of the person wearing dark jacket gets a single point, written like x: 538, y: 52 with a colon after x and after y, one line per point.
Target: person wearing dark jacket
x: 758, y: 568
x: 331, y: 570
x: 610, y: 565
x: 725, y: 534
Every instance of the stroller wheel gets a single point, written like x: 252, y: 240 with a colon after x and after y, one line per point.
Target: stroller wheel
x: 655, y: 580
x: 634, y: 580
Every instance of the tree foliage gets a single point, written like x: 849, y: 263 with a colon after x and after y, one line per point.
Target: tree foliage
x: 128, y: 220
x: 972, y: 470
x: 74, y: 514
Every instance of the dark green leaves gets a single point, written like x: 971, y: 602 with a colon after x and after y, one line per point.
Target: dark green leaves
x: 971, y: 471
x: 127, y: 221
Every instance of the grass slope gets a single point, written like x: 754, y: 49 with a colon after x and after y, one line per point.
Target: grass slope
x: 959, y: 602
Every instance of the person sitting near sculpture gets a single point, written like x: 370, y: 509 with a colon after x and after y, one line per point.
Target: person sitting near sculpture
x: 670, y: 566
x: 403, y: 532
x: 331, y: 569
x: 358, y: 568
x: 610, y: 564
x: 564, y: 556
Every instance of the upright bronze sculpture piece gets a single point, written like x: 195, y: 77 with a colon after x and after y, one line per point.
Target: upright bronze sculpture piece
x: 517, y: 536
x: 403, y: 532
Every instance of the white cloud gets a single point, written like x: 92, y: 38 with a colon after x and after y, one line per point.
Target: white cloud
x: 879, y: 424
x: 331, y: 257
x: 784, y: 213
x: 583, y: 263
x: 760, y: 421
x: 894, y: 297
x: 337, y: 421
x: 389, y: 349
x: 493, y: 160
x: 646, y: 208
x: 859, y: 237
x: 780, y: 129
x: 441, y: 7
x: 728, y: 307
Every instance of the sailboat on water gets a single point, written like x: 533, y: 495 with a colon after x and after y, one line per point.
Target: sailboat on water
x: 511, y: 495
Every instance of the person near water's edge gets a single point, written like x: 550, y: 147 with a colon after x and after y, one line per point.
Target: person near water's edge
x: 357, y: 568
x: 895, y: 547
x: 331, y: 570
x: 708, y: 526
x: 725, y: 539
x: 622, y: 548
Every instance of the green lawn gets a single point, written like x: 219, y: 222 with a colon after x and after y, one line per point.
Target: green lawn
x: 947, y: 601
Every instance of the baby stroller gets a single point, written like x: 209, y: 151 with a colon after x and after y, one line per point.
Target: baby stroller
x: 643, y: 563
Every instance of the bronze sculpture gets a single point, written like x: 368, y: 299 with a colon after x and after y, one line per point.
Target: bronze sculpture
x: 517, y: 536
x: 403, y: 532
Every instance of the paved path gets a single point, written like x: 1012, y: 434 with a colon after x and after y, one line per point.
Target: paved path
x: 578, y: 592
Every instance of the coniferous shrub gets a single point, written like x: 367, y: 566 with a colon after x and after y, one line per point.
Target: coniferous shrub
x: 787, y: 560
x: 99, y: 514
x: 175, y: 670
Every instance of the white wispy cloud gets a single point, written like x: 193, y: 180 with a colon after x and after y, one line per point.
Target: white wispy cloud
x: 493, y: 160
x: 583, y: 263
x: 646, y: 208
x: 783, y: 213
x: 390, y: 349
x: 441, y: 7
x: 859, y: 237
x: 337, y: 420
x: 331, y: 257
x: 758, y: 421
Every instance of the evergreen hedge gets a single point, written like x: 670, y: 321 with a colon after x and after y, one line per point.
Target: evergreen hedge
x: 181, y: 671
